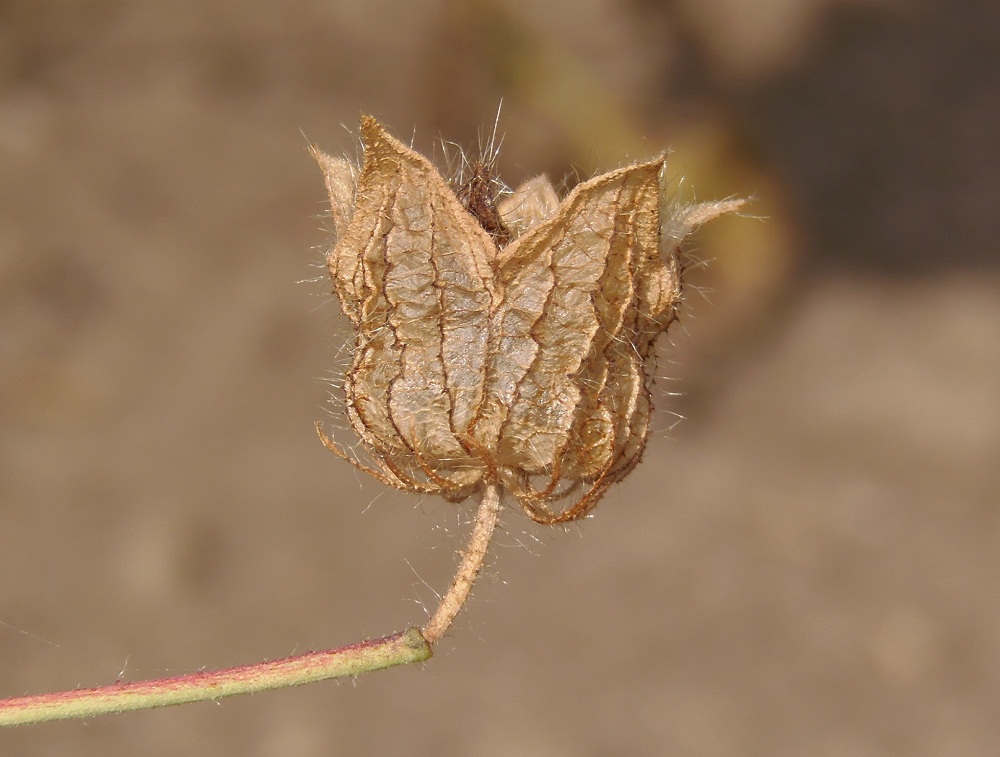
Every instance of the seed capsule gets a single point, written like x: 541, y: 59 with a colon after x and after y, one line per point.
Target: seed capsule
x: 525, y: 364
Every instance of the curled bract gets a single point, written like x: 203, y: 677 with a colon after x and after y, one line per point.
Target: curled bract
x: 510, y: 343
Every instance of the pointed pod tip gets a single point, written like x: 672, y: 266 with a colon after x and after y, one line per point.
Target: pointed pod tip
x: 704, y: 212
x: 371, y: 130
x: 320, y: 157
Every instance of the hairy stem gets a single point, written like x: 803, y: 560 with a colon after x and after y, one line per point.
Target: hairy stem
x: 472, y: 563
x: 400, y: 648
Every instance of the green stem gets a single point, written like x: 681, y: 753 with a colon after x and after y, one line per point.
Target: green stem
x: 412, y: 645
x: 398, y: 649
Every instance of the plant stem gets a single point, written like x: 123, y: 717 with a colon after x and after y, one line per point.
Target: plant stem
x: 398, y: 649
x: 472, y: 563
x: 401, y: 648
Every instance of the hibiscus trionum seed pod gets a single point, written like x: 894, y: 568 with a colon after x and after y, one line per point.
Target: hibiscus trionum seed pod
x: 511, y: 346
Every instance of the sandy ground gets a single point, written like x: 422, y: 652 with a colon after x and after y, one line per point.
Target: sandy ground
x: 807, y: 565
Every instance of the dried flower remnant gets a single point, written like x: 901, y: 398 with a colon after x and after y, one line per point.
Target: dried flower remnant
x: 479, y: 194
x: 503, y: 344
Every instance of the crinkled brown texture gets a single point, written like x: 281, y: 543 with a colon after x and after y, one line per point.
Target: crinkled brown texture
x: 528, y: 365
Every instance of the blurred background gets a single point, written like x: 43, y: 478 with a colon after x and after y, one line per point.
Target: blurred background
x: 808, y: 564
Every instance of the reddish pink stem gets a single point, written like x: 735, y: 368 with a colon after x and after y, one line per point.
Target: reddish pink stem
x: 400, y: 648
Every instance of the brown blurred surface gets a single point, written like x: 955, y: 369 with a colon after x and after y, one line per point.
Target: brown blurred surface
x: 807, y: 565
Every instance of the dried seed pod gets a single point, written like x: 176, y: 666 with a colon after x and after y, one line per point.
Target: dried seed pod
x: 526, y: 363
